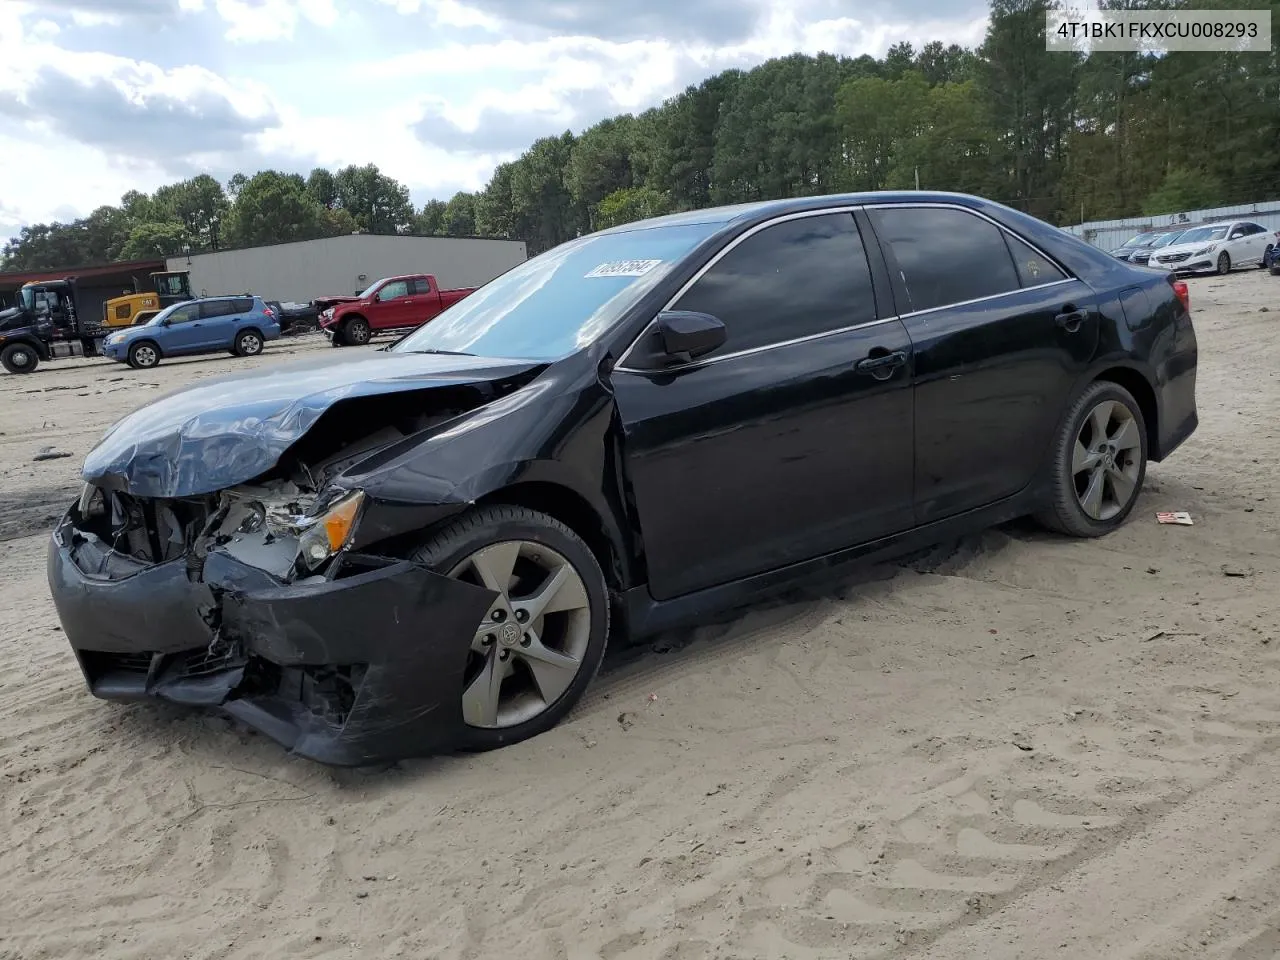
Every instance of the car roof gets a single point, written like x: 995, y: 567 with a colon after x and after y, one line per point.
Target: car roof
x: 739, y: 213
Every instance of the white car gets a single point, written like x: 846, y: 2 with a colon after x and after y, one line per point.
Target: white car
x: 1217, y: 247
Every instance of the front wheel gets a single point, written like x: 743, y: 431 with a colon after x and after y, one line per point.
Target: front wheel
x: 1097, y: 464
x: 248, y: 343
x: 1224, y: 263
x: 19, y: 358
x: 357, y: 332
x: 144, y: 355
x: 539, y: 645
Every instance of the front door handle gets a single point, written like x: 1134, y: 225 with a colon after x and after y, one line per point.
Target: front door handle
x: 881, y: 367
x: 1071, y: 318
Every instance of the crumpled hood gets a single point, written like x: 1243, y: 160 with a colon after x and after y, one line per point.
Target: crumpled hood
x: 228, y: 430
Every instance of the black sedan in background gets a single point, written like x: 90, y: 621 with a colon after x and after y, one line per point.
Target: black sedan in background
x: 429, y: 547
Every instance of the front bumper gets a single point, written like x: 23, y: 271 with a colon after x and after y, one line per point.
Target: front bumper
x: 1194, y: 265
x: 349, y: 671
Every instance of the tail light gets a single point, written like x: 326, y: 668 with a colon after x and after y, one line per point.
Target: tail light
x: 271, y: 313
x: 1181, y: 291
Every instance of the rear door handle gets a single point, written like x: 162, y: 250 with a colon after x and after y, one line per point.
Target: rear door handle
x: 1070, y: 319
x: 881, y: 367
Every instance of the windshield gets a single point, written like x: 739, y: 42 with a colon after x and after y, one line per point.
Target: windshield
x: 368, y: 291
x: 26, y: 298
x: 1168, y: 238
x: 1138, y: 240
x: 1201, y: 234
x: 559, y: 302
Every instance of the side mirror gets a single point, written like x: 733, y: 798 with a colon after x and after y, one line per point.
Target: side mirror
x: 687, y: 335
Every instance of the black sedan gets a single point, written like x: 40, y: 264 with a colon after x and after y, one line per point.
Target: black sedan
x: 428, y: 547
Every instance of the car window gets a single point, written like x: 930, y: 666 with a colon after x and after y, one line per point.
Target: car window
x: 184, y: 314
x: 242, y: 304
x: 793, y: 279
x: 1252, y: 228
x: 422, y: 286
x: 394, y: 290
x: 1033, y: 267
x: 944, y: 255
x: 217, y: 308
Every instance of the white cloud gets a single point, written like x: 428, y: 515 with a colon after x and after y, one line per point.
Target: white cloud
x: 257, y: 21
x: 210, y: 104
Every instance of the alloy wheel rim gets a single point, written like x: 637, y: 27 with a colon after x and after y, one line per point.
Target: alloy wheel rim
x: 1106, y: 460
x: 530, y: 645
x: 251, y: 344
x: 359, y: 332
x: 145, y: 356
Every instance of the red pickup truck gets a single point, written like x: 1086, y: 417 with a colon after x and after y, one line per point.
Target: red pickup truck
x: 393, y: 303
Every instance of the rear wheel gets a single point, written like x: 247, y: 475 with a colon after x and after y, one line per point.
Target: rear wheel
x: 19, y: 358
x: 144, y: 355
x: 537, y: 648
x: 1266, y: 257
x: 1098, y: 463
x: 357, y: 332
x: 1224, y: 262
x: 248, y: 343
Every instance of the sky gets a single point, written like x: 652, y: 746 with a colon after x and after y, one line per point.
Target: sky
x: 98, y: 97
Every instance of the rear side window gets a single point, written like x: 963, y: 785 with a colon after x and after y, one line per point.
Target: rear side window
x: 1033, y: 268
x: 422, y: 285
x: 217, y: 308
x: 794, y: 279
x: 242, y: 304
x: 945, y: 256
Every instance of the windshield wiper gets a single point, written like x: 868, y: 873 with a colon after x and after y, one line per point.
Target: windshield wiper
x: 451, y: 353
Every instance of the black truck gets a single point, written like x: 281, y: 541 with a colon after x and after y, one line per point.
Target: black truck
x: 44, y: 324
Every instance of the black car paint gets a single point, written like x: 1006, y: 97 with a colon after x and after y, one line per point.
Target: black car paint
x: 696, y: 489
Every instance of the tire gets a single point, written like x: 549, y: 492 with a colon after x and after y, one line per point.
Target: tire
x: 1072, y: 475
x: 248, y: 343
x: 577, y: 633
x: 356, y: 332
x: 20, y: 358
x: 1224, y: 263
x: 144, y: 355
x: 1266, y: 258
x: 1275, y: 267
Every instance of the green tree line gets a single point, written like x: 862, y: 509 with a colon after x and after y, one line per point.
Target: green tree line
x: 1066, y: 137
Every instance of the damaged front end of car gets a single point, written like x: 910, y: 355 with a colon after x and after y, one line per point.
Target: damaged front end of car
x: 270, y: 599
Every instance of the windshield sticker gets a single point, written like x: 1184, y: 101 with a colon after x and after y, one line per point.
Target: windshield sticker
x: 624, y: 268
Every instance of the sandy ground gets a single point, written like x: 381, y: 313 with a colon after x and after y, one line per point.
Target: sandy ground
x: 1022, y: 747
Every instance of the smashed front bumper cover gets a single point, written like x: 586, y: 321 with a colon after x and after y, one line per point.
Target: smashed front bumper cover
x: 363, y: 668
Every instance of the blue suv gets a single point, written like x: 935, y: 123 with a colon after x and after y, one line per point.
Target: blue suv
x: 240, y: 325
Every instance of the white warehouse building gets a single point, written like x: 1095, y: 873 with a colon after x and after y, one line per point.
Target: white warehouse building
x: 345, y: 265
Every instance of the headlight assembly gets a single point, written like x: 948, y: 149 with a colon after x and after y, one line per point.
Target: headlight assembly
x: 321, y: 536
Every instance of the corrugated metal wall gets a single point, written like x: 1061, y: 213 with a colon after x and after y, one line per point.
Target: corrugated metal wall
x: 345, y: 265
x: 1109, y: 234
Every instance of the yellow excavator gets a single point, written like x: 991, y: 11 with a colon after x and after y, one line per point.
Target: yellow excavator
x: 168, y: 288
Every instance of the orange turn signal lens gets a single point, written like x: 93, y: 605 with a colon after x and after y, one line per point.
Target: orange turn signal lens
x: 341, y: 520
